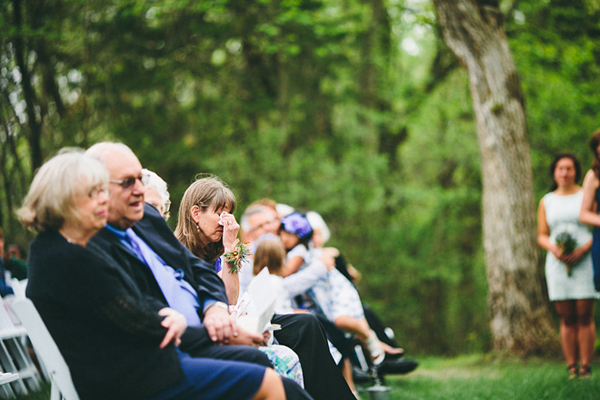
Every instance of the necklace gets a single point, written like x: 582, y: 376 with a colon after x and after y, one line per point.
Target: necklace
x: 70, y: 240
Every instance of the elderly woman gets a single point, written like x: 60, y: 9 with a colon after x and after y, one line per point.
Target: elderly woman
x: 208, y: 228
x: 157, y: 193
x: 118, y: 343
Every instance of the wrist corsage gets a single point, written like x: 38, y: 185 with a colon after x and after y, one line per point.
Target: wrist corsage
x: 237, y: 256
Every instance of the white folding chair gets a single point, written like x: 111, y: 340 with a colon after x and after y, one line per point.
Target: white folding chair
x: 14, y: 357
x: 60, y: 376
x: 5, y: 389
x: 18, y: 287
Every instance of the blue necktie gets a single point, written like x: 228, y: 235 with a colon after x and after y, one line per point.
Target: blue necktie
x: 180, y: 295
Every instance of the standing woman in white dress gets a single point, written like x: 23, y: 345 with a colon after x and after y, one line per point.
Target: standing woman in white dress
x: 569, y: 276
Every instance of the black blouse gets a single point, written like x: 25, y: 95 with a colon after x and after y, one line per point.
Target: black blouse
x: 106, y: 329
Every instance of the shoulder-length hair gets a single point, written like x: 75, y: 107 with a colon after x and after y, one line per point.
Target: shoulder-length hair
x: 206, y: 193
x: 594, y: 143
x: 270, y: 254
x: 50, y: 200
x: 555, y: 161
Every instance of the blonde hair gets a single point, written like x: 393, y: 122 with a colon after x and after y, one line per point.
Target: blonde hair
x: 270, y: 254
x: 209, y: 192
x: 50, y: 200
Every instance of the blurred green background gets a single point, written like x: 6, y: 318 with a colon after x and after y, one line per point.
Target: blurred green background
x: 353, y: 108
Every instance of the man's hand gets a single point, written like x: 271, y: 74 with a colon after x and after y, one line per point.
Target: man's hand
x: 221, y: 328
x: 247, y: 338
x: 175, y: 324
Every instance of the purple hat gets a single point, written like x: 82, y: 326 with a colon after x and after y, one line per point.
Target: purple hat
x: 296, y: 223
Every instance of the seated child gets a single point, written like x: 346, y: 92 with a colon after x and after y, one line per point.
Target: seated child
x: 333, y: 294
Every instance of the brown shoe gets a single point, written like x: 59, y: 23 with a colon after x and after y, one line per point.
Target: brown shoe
x: 572, y: 371
x: 585, y: 372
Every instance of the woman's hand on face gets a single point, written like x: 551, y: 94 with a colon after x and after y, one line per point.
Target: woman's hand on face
x: 175, y: 324
x: 230, y: 230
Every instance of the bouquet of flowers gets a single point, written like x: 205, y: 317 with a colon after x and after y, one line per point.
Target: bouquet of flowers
x: 568, y: 244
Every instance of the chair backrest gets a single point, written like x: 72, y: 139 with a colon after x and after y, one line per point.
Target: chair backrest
x: 18, y: 287
x: 45, y: 347
x: 6, y: 321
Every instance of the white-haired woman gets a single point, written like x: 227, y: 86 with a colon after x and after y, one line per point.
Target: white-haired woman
x: 157, y: 193
x: 118, y: 343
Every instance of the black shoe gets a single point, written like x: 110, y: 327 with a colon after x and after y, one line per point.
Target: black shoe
x: 400, y: 366
x: 389, y: 356
x: 360, y: 376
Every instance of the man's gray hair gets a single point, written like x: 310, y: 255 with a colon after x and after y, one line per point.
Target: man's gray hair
x: 250, y: 211
x: 100, y: 150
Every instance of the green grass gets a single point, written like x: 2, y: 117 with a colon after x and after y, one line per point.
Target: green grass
x: 485, y: 378
x: 43, y: 394
x: 480, y: 377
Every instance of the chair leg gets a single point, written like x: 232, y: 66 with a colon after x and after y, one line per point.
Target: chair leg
x: 54, y: 392
x: 7, y: 392
x: 8, y: 365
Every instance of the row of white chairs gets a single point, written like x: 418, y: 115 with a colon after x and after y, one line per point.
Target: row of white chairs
x: 19, y: 319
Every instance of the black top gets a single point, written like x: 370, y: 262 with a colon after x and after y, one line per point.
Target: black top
x: 106, y: 329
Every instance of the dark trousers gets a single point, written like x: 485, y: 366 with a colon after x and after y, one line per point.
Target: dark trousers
x: 249, y: 354
x: 304, y: 334
x: 233, y: 353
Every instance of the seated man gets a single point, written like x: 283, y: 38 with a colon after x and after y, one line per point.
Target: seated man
x: 199, y: 291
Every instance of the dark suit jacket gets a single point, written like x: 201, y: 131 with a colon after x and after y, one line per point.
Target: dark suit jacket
x: 302, y: 333
x: 107, y: 330
x: 156, y: 233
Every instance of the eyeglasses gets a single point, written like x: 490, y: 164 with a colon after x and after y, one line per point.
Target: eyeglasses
x: 128, y: 183
x: 264, y: 224
x: 95, y: 192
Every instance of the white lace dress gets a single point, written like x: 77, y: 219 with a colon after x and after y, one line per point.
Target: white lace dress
x: 562, y: 215
x: 332, y: 293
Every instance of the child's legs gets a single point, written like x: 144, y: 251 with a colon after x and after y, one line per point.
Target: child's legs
x: 359, y: 327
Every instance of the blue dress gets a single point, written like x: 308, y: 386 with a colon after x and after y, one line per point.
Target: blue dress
x: 596, y: 249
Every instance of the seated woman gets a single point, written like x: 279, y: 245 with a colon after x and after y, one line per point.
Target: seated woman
x: 117, y: 343
x: 334, y: 295
x: 157, y: 193
x: 207, y: 227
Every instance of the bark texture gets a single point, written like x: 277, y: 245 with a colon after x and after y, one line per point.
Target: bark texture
x: 520, y: 320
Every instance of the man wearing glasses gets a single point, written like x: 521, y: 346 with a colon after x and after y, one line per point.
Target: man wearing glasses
x: 126, y: 210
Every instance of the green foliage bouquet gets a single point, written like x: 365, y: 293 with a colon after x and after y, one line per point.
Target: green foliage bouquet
x: 568, y: 244
x: 236, y: 258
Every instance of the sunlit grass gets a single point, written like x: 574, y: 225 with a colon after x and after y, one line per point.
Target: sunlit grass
x: 479, y: 377
x: 482, y: 377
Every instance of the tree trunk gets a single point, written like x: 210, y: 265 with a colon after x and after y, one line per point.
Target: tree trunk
x: 520, y: 321
x: 35, y: 126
